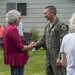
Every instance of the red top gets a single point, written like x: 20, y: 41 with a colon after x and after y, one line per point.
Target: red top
x: 12, y: 47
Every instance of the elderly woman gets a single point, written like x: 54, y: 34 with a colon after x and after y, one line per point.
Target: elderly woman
x: 68, y: 49
x: 15, y: 53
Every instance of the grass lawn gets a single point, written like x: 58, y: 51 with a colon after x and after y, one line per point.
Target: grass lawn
x: 34, y: 66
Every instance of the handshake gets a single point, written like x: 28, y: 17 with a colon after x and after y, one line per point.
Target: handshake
x: 32, y: 45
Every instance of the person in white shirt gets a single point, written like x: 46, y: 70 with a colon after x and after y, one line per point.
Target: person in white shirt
x: 20, y: 29
x: 67, y: 49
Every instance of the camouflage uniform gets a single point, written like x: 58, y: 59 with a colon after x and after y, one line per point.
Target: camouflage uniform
x: 51, y: 43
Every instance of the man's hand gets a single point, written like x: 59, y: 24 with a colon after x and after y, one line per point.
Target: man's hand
x: 58, y: 62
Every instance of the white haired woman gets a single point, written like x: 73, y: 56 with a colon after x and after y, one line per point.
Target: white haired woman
x: 15, y: 53
x: 68, y: 49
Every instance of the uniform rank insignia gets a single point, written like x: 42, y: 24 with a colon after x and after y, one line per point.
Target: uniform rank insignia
x: 63, y: 27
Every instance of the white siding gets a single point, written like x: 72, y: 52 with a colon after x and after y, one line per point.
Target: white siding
x: 34, y: 18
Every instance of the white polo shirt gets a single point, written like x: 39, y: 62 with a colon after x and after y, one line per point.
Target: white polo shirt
x: 20, y: 28
x: 68, y: 47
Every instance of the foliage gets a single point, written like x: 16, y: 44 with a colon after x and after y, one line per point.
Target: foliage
x: 35, y: 35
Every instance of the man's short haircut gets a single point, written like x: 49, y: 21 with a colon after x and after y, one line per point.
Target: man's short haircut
x: 52, y: 8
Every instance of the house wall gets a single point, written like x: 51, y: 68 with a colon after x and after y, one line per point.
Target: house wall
x: 35, y: 17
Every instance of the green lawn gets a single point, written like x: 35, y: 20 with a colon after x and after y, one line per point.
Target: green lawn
x: 34, y: 66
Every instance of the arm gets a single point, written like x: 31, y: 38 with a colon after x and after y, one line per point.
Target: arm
x: 63, y: 30
x: 29, y: 47
x: 63, y: 59
x: 18, y: 42
x: 41, y: 43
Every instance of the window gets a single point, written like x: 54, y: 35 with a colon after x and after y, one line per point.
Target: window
x: 11, y: 6
x: 22, y: 7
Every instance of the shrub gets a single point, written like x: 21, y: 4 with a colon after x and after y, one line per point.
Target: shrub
x: 35, y: 35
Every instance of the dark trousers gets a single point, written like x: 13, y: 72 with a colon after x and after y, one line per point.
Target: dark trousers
x: 17, y: 70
